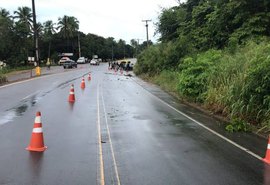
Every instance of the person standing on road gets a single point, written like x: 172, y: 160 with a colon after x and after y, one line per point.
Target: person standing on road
x: 48, y: 64
x: 127, y: 66
x: 109, y: 64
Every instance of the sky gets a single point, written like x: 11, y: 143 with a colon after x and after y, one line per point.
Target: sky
x: 121, y: 19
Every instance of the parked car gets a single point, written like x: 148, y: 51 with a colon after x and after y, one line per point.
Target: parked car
x: 94, y: 62
x: 81, y: 60
x: 69, y: 64
x: 62, y: 60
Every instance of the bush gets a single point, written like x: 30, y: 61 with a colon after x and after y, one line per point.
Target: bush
x: 238, y: 125
x: 165, y: 56
x: 194, y: 74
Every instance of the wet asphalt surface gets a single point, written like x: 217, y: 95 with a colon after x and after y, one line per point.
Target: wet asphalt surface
x: 120, y: 130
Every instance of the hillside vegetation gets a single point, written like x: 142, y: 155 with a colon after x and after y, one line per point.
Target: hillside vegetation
x: 215, y: 53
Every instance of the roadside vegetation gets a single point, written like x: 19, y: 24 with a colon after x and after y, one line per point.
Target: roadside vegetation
x: 217, y: 54
x: 3, y: 78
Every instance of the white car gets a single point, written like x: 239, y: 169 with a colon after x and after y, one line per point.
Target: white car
x: 94, y: 62
x: 81, y: 60
x: 62, y: 60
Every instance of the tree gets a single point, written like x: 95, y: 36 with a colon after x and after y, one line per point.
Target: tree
x: 6, y: 34
x: 169, y: 21
x: 69, y: 27
x: 49, y: 29
x: 23, y: 34
x: 24, y: 16
x: 4, y: 13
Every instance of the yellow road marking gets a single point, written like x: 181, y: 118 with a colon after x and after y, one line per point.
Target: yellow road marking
x: 102, y: 181
x: 110, y: 140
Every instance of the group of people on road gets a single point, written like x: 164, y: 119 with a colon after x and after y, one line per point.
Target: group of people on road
x: 119, y: 66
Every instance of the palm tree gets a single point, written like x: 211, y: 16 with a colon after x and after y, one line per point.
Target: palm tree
x: 24, y: 16
x: 4, y: 13
x: 6, y: 34
x: 49, y: 30
x: 68, y: 26
x: 5, y: 16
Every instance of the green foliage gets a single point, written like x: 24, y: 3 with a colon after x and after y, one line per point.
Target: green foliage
x: 165, y: 56
x: 238, y: 125
x: 193, y: 78
x: 3, y: 78
x: 240, y: 85
x: 221, y: 54
x: 210, y: 24
x: 255, y: 93
x: 169, y: 21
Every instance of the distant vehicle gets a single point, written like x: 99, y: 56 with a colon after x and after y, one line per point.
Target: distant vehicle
x: 62, y: 60
x: 94, y: 62
x: 69, y: 64
x: 81, y: 60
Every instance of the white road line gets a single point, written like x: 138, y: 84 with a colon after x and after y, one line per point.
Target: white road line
x: 205, y: 127
x: 110, y: 140
x: 102, y: 180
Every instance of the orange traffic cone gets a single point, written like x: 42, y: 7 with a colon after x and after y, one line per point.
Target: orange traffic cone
x: 89, y: 77
x: 83, y: 83
x: 71, y: 97
x: 36, y: 142
x: 267, y: 155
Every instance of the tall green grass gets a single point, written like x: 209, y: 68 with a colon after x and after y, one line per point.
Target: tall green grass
x: 167, y: 80
x: 240, y: 85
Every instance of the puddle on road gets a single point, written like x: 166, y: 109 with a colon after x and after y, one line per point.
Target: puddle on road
x: 19, y: 110
x: 7, y: 117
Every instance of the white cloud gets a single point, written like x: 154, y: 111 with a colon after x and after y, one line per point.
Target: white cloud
x: 121, y: 19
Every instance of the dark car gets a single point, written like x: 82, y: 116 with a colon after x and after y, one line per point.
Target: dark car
x: 69, y: 64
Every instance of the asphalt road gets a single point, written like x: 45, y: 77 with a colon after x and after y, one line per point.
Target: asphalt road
x: 120, y: 130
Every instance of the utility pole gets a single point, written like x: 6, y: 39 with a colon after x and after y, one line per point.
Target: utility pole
x: 35, y: 33
x: 146, y: 25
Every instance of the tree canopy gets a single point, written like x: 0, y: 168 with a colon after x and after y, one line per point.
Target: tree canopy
x: 213, y: 23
